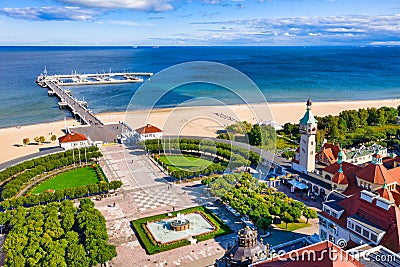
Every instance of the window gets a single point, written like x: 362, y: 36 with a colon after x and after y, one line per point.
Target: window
x: 334, y: 214
x: 350, y: 225
x: 322, y: 222
x: 366, y: 233
x: 374, y: 237
x: 323, y: 235
x: 332, y: 239
x: 358, y: 229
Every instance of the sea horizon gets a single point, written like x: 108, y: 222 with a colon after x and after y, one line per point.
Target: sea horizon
x: 283, y: 74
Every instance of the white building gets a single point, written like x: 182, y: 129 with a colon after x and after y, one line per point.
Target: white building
x: 74, y: 140
x: 148, y: 132
x: 271, y: 123
x: 304, y: 160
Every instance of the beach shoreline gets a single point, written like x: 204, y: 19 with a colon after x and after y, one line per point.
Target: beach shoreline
x: 197, y: 120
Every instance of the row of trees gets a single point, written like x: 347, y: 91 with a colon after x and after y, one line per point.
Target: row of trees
x: 215, y: 167
x: 39, y: 139
x: 56, y: 235
x: 69, y: 193
x: 250, y: 197
x: 206, y: 146
x: 353, y: 127
x: 256, y: 135
x: 22, y: 173
x: 13, y: 170
x: 234, y: 156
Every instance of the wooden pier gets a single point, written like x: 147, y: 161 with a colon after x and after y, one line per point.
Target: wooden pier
x: 94, y: 128
x: 77, y: 107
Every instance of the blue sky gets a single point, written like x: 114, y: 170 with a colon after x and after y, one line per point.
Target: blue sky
x: 199, y: 22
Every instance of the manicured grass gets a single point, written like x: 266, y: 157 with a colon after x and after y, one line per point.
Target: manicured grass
x: 152, y: 247
x: 70, y: 179
x: 179, y: 162
x: 293, y: 226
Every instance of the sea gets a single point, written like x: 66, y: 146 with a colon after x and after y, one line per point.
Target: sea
x: 282, y: 74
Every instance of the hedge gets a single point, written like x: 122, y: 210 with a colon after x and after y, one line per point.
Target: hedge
x: 152, y: 247
x: 22, y: 173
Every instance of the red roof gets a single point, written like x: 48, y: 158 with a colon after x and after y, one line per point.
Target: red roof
x: 321, y: 254
x: 330, y: 151
x: 148, y: 129
x: 340, y: 178
x: 72, y: 137
x: 389, y: 220
x: 376, y: 174
x: 348, y: 168
x: 347, y: 177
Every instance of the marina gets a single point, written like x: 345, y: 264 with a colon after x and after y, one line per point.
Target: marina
x: 92, y: 79
x: 92, y: 126
x: 79, y: 108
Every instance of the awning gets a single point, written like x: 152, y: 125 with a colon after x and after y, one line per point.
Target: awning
x: 298, y: 185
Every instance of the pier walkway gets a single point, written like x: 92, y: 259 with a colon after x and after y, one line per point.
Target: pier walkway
x: 93, y: 79
x: 77, y: 108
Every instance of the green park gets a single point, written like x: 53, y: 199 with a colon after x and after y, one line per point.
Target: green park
x: 70, y: 179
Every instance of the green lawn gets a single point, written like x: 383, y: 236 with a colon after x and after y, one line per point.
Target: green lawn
x: 179, y: 162
x: 292, y: 226
x: 70, y: 179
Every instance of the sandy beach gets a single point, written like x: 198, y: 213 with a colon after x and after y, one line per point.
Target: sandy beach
x: 199, y: 121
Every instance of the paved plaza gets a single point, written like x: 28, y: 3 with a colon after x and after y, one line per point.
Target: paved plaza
x: 147, y: 191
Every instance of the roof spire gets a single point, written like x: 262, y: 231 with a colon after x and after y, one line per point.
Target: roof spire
x: 309, y: 103
x: 340, y: 156
x: 384, y: 184
x: 377, y: 157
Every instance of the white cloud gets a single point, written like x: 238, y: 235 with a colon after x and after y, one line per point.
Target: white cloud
x: 334, y: 30
x: 144, y: 5
x: 121, y: 22
x: 50, y: 13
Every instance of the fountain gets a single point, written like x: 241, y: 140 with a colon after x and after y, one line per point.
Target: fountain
x: 180, y: 223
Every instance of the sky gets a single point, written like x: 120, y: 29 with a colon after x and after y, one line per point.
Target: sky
x: 200, y: 22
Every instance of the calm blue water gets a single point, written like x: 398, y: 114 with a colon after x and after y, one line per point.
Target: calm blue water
x: 282, y: 73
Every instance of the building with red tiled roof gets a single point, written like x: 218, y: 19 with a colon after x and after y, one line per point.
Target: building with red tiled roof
x: 328, y: 154
x: 74, y: 140
x: 321, y: 254
x: 365, y: 217
x: 148, y: 132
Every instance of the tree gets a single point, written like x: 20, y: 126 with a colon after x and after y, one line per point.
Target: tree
x: 36, y: 139
x: 264, y: 223
x: 295, y: 212
x: 76, y: 256
x: 309, y: 213
x: 26, y: 141
x: 53, y: 138
x: 255, y: 136
x: 42, y: 139
x: 287, y: 218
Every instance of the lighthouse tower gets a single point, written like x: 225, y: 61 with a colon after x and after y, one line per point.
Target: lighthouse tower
x: 306, y: 155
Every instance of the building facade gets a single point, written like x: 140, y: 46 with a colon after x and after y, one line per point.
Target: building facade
x: 148, y: 132
x: 304, y: 160
x: 74, y: 140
